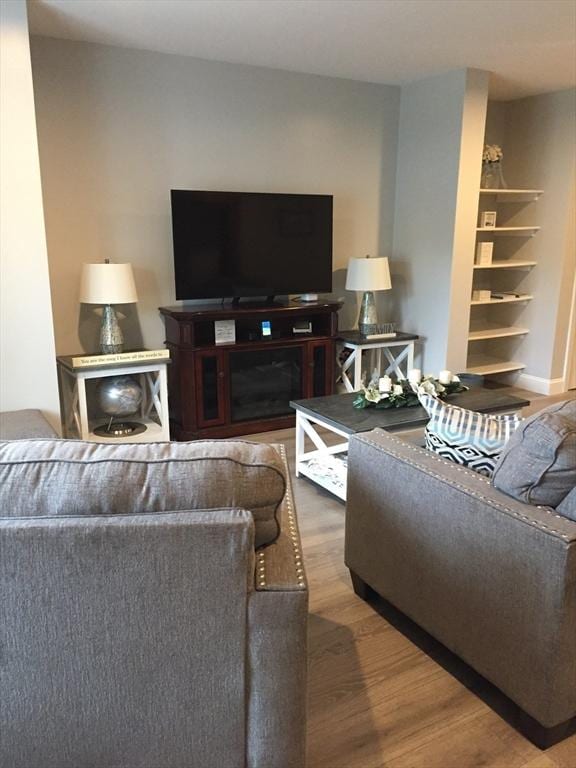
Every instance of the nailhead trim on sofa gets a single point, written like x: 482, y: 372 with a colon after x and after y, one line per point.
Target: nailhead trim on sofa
x: 300, y: 576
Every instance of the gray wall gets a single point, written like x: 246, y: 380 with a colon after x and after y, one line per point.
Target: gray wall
x: 119, y: 128
x: 438, y: 172
x: 537, y: 135
x: 27, y: 357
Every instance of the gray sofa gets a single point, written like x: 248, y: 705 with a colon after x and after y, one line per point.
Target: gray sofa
x: 491, y: 578
x: 138, y: 639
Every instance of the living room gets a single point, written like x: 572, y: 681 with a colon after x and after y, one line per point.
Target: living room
x: 386, y: 108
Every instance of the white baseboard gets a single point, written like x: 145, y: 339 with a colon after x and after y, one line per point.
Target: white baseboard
x: 540, y: 385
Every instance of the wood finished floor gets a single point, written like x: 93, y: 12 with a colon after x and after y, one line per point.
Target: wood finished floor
x: 376, y: 700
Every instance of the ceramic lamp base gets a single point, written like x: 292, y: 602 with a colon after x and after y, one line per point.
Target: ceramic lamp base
x: 368, y: 319
x: 111, y: 337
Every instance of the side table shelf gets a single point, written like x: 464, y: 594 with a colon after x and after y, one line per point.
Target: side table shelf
x: 80, y: 414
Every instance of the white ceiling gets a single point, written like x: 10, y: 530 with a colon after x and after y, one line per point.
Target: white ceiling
x: 529, y: 45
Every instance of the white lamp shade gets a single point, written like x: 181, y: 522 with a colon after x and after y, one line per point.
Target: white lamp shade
x: 107, y: 284
x: 368, y: 275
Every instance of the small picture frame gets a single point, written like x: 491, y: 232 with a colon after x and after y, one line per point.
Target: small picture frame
x: 488, y: 219
x: 224, y: 331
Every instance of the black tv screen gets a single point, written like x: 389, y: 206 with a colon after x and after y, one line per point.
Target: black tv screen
x: 234, y: 244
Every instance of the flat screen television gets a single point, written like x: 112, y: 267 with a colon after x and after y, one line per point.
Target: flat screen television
x: 248, y: 244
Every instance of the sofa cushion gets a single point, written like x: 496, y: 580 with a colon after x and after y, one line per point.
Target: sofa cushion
x: 29, y: 422
x: 469, y: 438
x: 538, y: 466
x: 71, y: 477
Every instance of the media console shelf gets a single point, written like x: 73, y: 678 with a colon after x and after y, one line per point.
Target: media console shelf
x: 223, y: 390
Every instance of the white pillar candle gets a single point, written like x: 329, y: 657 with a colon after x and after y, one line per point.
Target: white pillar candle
x: 415, y: 376
x: 385, y: 384
x: 445, y: 377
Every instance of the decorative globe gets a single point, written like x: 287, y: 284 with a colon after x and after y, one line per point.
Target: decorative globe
x: 119, y: 396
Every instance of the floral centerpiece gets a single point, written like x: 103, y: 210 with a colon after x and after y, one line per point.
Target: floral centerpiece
x: 492, y: 177
x: 384, y: 393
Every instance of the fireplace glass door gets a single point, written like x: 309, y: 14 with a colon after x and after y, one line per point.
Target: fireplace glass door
x: 263, y: 381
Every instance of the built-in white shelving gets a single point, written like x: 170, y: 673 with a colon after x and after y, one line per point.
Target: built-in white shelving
x: 496, y: 332
x: 509, y: 231
x: 487, y: 365
x: 507, y: 264
x: 505, y: 300
x: 513, y: 195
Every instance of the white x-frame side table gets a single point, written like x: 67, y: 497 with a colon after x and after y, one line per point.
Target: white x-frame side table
x: 80, y: 418
x: 398, y: 351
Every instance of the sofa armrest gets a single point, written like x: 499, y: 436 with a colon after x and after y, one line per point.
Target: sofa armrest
x: 277, y: 627
x: 491, y: 578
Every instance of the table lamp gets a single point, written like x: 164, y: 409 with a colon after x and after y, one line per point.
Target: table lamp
x: 368, y: 275
x: 108, y: 284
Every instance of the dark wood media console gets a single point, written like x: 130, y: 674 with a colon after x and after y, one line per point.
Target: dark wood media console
x: 223, y: 390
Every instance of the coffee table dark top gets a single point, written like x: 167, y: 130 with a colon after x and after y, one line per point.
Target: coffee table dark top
x: 355, y: 337
x: 337, y: 410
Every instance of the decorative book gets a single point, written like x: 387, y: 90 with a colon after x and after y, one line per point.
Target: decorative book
x: 135, y: 356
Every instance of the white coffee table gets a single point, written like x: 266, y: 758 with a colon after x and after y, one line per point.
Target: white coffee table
x: 326, y: 465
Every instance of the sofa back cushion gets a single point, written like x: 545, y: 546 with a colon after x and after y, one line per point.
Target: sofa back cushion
x: 567, y: 507
x: 468, y: 438
x: 538, y: 466
x: 71, y: 477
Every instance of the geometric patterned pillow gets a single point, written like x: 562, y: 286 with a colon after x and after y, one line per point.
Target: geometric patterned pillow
x: 468, y: 438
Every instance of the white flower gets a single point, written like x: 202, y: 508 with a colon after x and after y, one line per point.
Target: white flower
x: 372, y: 395
x: 427, y: 387
x: 397, y: 389
x: 455, y: 378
